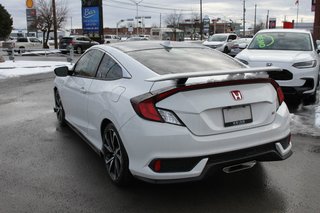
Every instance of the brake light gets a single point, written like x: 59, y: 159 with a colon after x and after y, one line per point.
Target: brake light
x: 146, y: 109
x: 144, y: 105
x: 279, y: 91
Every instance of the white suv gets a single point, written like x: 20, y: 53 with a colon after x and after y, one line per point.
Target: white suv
x: 294, y: 52
x: 221, y: 41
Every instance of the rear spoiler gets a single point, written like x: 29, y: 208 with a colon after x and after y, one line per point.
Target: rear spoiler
x: 182, y: 78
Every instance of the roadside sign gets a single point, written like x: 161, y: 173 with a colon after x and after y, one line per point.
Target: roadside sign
x: 29, y: 4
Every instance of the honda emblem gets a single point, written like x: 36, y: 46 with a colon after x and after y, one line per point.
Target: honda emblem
x: 236, y: 94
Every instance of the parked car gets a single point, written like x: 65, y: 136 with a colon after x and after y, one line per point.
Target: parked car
x: 293, y: 51
x: 111, y: 39
x: 78, y: 43
x: 23, y: 43
x: 137, y: 38
x: 172, y: 111
x: 221, y: 41
x: 238, y: 45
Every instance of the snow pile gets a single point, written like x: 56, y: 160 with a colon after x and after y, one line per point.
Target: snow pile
x: 306, y: 121
x: 10, y: 69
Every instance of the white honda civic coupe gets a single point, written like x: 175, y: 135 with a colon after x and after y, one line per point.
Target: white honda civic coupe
x: 172, y: 111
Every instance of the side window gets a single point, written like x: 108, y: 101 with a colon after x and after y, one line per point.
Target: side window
x: 232, y: 37
x: 86, y: 39
x: 109, y: 69
x: 88, y: 64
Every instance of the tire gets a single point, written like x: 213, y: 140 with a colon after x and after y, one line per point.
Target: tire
x: 22, y: 50
x: 79, y: 50
x: 115, y: 156
x: 226, y: 50
x: 59, y: 109
x: 312, y: 99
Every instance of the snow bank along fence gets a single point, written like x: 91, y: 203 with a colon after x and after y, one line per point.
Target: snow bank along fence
x: 12, y: 52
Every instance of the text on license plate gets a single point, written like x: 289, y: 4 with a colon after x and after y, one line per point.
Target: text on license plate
x: 238, y: 115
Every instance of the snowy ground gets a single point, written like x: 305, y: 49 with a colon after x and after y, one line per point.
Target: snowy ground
x: 10, y: 69
x: 305, y: 121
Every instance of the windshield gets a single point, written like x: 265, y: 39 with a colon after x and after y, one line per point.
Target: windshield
x: 282, y: 41
x: 218, y: 38
x: 181, y: 60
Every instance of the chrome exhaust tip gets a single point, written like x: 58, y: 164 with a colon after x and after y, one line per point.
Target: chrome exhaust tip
x: 239, y: 167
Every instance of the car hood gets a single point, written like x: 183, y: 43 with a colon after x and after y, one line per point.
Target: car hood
x: 213, y: 43
x: 275, y: 55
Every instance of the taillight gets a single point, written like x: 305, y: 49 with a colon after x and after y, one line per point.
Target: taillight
x: 145, y: 107
x: 279, y: 91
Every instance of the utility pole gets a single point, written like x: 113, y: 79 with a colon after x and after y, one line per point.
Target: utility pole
x: 137, y: 14
x: 55, y: 24
x: 267, y: 22
x: 316, y: 26
x: 160, y: 20
x: 244, y: 18
x: 201, y: 24
x: 255, y: 19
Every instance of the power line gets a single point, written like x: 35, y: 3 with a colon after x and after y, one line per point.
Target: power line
x: 149, y: 6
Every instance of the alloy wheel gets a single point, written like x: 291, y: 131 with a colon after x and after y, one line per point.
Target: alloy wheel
x: 112, y: 154
x: 59, y: 108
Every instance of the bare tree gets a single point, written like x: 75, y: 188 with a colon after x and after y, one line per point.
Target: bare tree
x: 195, y: 18
x: 45, y: 17
x: 172, y: 20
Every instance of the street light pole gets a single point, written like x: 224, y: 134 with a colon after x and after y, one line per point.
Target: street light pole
x: 118, y: 26
x: 137, y: 14
x: 201, y: 24
x: 244, y: 18
x: 54, y: 24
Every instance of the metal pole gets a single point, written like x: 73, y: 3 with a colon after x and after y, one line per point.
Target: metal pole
x: 201, y: 24
x: 297, y: 13
x: 316, y: 26
x: 160, y: 20
x: 255, y: 19
x: 55, y: 24
x: 267, y: 22
x: 244, y: 18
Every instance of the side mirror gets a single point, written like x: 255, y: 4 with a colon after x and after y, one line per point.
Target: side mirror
x: 243, y: 45
x: 61, y: 71
x: 318, y: 49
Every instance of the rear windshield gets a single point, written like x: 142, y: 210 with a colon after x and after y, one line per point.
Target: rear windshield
x: 179, y: 60
x: 282, y: 41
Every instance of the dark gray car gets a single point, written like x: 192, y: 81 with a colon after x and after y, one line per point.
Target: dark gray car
x: 79, y: 43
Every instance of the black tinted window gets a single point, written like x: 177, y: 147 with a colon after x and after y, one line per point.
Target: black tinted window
x: 109, y: 69
x: 22, y: 40
x: 88, y: 63
x: 179, y: 60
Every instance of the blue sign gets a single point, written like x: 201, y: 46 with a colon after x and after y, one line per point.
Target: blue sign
x: 90, y: 19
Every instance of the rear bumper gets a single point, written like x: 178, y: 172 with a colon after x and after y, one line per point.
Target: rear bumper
x: 275, y: 151
x: 147, y: 141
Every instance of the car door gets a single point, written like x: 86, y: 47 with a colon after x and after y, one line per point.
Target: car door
x: 105, y: 91
x: 87, y: 43
x: 76, y: 89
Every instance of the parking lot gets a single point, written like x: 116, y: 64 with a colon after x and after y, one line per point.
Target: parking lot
x: 46, y: 168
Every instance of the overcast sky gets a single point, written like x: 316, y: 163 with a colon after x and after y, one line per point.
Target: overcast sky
x: 115, y: 10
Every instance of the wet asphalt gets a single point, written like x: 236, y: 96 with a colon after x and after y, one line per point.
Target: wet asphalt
x: 46, y: 168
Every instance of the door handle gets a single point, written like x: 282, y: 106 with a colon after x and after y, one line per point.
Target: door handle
x: 83, y: 90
